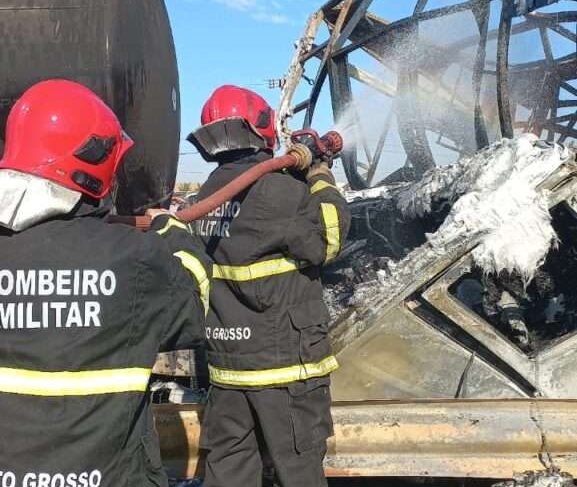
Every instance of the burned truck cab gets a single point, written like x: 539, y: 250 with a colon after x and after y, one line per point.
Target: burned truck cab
x: 458, y: 346
x: 483, y: 306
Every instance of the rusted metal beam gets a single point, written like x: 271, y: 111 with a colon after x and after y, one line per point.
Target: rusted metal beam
x: 452, y: 438
x: 299, y: 107
x: 371, y: 80
x: 421, y: 4
x: 563, y: 118
x: 560, y: 17
x: 343, y: 28
x: 503, y: 95
x: 566, y: 132
x: 295, y: 74
x: 331, y: 4
x: 316, y: 51
x: 323, y: 69
x: 380, y: 147
x: 569, y: 129
x: 532, y: 22
x: 482, y: 13
x: 341, y: 97
x: 567, y: 87
x: 539, y: 19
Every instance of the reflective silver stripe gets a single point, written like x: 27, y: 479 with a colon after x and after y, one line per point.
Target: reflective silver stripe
x: 320, y: 185
x: 259, y: 270
x: 269, y: 377
x: 333, y: 232
x: 198, y: 271
x: 173, y: 223
x: 35, y: 383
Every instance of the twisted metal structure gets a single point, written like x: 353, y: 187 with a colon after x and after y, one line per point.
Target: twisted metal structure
x: 452, y: 78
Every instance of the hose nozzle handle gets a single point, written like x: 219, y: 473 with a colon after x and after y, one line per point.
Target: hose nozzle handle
x: 324, y: 148
x: 333, y: 142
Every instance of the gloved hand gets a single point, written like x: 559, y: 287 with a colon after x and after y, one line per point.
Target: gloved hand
x: 303, y: 156
x: 302, y: 165
x: 320, y: 168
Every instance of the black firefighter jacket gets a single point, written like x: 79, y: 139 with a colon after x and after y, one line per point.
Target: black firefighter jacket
x: 268, y: 323
x: 84, y: 308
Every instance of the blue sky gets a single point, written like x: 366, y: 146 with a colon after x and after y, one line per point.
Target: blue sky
x: 242, y: 42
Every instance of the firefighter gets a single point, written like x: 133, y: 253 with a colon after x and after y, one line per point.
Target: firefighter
x: 84, y: 305
x: 269, y: 356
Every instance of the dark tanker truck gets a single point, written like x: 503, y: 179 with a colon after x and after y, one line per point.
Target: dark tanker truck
x: 121, y: 49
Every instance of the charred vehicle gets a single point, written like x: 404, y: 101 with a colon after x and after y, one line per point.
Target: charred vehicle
x: 453, y: 303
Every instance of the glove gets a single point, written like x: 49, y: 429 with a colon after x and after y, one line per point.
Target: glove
x: 320, y: 169
x: 303, y: 165
x: 303, y: 155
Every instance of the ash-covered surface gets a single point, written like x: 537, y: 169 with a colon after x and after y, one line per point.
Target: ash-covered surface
x: 409, y: 482
x: 381, y: 482
x: 547, y: 478
x: 380, y: 237
x: 525, y: 255
x: 527, y: 479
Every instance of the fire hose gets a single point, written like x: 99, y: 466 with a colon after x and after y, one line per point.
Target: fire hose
x: 307, y: 148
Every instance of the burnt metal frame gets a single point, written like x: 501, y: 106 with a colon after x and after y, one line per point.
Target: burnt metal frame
x: 335, y: 66
x: 520, y: 367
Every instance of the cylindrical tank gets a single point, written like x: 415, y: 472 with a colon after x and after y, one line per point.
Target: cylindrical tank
x: 124, y: 51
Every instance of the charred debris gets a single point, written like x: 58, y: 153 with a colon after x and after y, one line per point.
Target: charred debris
x: 396, y: 221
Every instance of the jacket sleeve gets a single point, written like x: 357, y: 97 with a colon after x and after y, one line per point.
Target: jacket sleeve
x: 316, y: 228
x: 192, y: 272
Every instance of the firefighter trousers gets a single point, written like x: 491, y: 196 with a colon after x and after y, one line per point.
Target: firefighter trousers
x: 245, y: 430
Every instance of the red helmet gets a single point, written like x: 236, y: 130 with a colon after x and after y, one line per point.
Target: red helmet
x: 62, y: 131
x: 233, y: 102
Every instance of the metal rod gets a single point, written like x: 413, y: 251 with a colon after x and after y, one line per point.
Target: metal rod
x: 380, y: 146
x: 503, y: 95
x: 482, y: 16
x: 403, y: 23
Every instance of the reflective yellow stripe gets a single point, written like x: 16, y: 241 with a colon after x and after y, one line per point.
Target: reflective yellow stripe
x: 320, y: 185
x: 331, y: 221
x: 33, y: 383
x: 196, y: 268
x: 172, y: 223
x: 270, y: 377
x: 276, y: 267
x: 255, y: 271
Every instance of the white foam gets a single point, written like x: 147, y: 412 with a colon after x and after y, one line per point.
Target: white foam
x: 503, y: 202
x: 493, y: 194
